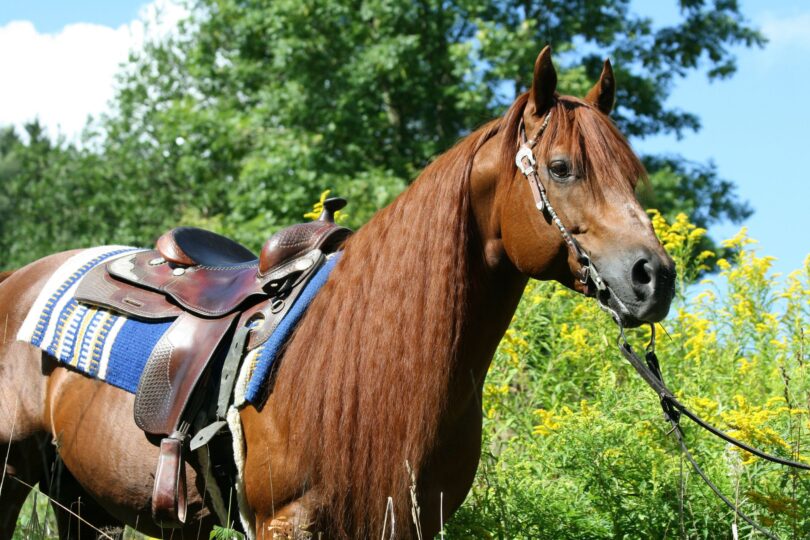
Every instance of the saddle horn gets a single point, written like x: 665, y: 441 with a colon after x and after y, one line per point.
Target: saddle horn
x: 330, y: 208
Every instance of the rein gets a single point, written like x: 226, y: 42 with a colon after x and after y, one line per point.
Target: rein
x: 649, y: 369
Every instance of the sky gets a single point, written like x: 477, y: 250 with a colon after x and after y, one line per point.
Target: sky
x: 58, y: 61
x: 755, y: 126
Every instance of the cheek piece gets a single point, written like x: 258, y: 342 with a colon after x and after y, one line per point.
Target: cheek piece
x: 527, y: 164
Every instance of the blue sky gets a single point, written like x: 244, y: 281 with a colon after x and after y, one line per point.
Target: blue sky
x: 755, y: 125
x: 50, y: 16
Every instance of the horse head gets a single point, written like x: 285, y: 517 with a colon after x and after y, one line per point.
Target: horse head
x: 589, y: 174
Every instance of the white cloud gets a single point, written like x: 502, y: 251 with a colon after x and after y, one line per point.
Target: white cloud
x: 62, y: 78
x: 786, y: 31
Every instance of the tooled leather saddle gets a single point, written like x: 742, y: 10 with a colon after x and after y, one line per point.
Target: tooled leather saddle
x: 225, y: 302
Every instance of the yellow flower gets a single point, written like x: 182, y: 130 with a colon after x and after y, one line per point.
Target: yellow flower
x: 749, y: 423
x: 739, y: 240
x: 317, y: 208
x: 549, y: 422
x: 746, y: 365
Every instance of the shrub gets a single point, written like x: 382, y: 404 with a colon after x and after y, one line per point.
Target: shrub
x: 575, y: 444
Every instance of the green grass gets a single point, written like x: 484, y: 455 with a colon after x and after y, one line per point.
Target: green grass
x: 38, y: 522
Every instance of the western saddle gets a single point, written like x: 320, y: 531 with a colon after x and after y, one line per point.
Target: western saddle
x: 224, y: 302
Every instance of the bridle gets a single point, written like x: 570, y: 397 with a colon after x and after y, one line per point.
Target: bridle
x: 649, y: 369
x: 526, y: 162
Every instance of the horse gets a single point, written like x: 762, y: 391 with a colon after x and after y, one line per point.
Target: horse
x: 375, y: 415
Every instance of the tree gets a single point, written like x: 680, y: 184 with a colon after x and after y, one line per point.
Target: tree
x: 43, y: 190
x: 243, y: 117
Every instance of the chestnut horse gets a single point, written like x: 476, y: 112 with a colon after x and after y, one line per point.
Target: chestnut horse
x: 384, y: 374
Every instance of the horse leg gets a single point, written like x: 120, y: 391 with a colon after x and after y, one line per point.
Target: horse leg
x: 18, y: 475
x: 21, y: 436
x: 24, y: 424
x: 293, y: 521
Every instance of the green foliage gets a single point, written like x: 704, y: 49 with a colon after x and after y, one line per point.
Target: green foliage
x: 224, y: 533
x: 575, y: 445
x: 46, y: 196
x: 36, y: 520
x: 242, y: 118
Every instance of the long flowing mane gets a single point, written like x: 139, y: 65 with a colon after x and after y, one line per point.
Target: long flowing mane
x: 363, y: 384
x: 364, y: 379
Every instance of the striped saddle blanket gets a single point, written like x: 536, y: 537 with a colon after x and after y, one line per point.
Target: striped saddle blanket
x: 114, y: 348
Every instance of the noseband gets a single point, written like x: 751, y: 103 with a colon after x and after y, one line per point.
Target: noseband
x: 649, y: 369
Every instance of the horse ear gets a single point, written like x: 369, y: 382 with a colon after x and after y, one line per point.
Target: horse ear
x: 544, y: 84
x: 603, y: 93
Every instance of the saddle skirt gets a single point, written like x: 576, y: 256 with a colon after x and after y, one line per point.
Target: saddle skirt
x: 102, y: 344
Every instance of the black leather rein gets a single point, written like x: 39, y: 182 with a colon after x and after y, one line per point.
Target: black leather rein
x: 649, y: 369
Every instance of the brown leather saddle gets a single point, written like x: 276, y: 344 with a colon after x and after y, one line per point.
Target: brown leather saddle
x: 224, y: 301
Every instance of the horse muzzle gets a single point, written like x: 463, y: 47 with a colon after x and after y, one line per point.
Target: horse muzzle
x: 640, y: 285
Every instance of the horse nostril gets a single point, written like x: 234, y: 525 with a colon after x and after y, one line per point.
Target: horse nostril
x: 642, y: 272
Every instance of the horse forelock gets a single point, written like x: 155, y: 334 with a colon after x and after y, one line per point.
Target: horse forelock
x: 364, y: 380
x: 597, y: 148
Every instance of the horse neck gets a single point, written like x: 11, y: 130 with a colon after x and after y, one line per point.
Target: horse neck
x: 499, y: 285
x: 397, y: 342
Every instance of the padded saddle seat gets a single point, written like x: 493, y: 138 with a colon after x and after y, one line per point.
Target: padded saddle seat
x: 190, y: 246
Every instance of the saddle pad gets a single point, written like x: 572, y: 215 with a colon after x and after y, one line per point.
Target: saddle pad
x: 97, y: 342
x: 111, y: 347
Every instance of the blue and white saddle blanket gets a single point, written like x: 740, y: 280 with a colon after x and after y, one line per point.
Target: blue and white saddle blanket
x: 111, y: 347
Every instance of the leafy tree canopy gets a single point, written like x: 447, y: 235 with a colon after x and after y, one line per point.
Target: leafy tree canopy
x: 243, y: 117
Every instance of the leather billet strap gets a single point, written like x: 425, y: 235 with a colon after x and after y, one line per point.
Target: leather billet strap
x: 169, y: 492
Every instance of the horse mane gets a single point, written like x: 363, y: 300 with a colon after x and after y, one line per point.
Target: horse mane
x: 364, y: 379
x: 363, y: 383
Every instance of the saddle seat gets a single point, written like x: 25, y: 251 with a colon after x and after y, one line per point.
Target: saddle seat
x: 190, y: 246
x: 208, y: 274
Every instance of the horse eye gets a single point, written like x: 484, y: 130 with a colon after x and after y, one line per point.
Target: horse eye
x: 559, y: 168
